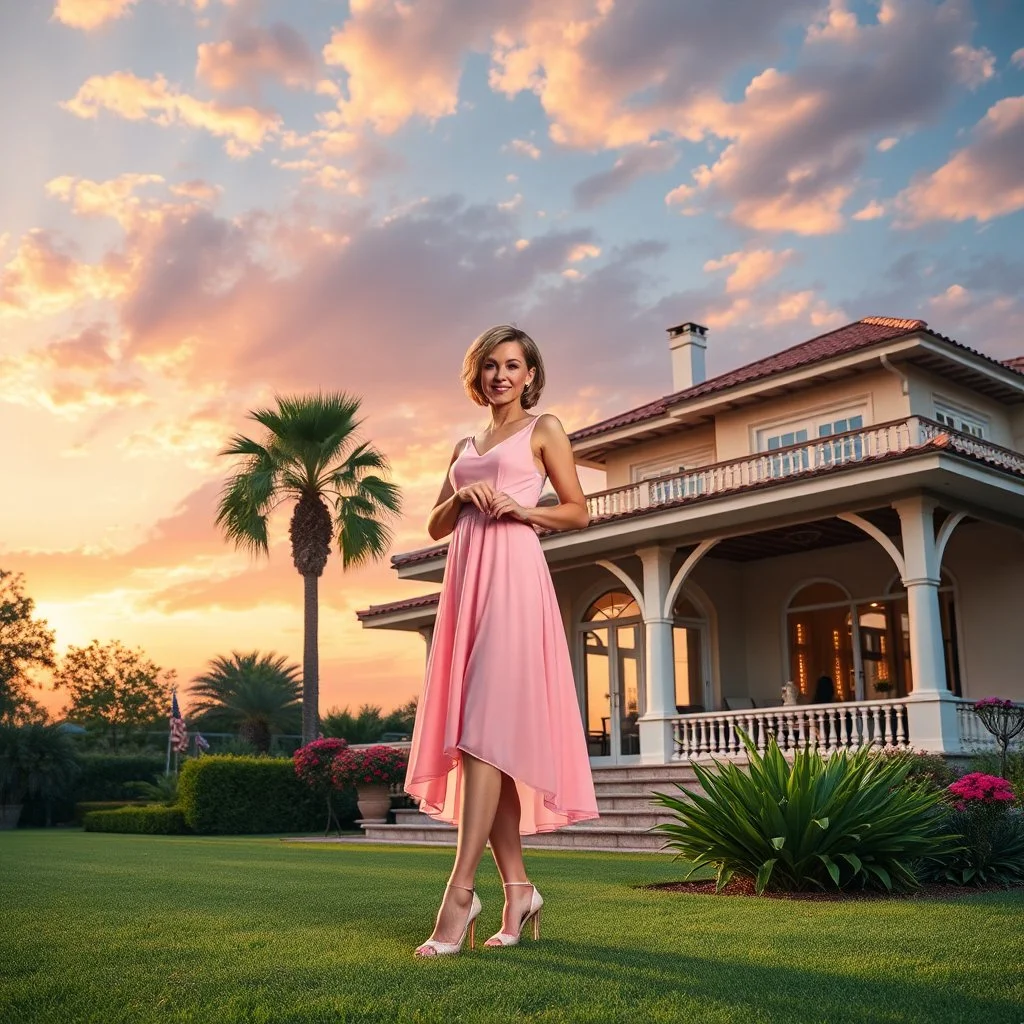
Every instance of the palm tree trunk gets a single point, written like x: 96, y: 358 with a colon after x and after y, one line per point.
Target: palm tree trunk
x: 310, y: 662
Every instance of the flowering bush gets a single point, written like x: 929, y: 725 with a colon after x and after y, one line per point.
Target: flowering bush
x: 931, y: 769
x: 979, y: 788
x: 371, y: 766
x: 314, y: 765
x: 992, y: 835
x: 314, y: 761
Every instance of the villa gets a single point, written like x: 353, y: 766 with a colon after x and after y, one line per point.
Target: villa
x: 825, y: 545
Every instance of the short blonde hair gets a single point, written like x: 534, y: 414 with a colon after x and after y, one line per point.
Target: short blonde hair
x: 485, y: 344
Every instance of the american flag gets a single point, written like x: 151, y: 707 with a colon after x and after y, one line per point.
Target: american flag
x: 201, y: 743
x: 179, y: 734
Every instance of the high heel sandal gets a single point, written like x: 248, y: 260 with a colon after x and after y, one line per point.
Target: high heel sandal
x: 533, y: 914
x: 442, y: 948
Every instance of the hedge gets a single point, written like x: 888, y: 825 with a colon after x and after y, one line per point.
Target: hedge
x: 83, y: 807
x: 103, y: 777
x: 154, y: 819
x: 233, y: 794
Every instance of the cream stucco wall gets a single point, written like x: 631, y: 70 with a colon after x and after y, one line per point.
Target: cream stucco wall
x: 926, y: 388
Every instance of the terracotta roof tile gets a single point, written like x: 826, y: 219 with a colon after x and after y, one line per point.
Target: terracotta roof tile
x: 1016, y: 363
x: 424, y: 601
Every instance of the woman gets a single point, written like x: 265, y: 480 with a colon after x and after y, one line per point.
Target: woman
x: 498, y: 746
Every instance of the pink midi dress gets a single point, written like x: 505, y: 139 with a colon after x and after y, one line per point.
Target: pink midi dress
x: 499, y: 681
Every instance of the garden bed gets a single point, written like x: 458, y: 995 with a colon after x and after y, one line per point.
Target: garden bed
x: 745, y: 887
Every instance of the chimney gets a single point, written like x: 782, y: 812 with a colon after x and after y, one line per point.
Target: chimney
x: 687, y: 343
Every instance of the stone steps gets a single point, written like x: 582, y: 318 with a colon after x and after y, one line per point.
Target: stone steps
x: 623, y: 799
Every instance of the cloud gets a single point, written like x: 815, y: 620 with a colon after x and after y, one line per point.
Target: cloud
x: 974, y: 65
x: 44, y: 277
x: 254, y: 53
x: 751, y: 268
x: 404, y: 60
x: 1017, y: 59
x: 156, y: 100
x: 523, y: 147
x: 648, y: 158
x: 983, y: 180
x: 90, y: 14
x: 797, y: 138
x: 113, y: 198
x: 884, y: 145
x: 871, y: 211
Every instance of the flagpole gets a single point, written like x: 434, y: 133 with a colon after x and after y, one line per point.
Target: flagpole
x: 167, y: 767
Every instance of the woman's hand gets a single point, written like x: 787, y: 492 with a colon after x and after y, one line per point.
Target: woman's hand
x: 503, y: 505
x: 480, y: 494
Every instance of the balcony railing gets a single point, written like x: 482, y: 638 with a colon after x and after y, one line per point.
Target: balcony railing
x: 884, y: 439
x: 827, y: 727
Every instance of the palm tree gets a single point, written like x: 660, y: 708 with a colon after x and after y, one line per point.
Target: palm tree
x: 309, y: 455
x: 256, y: 696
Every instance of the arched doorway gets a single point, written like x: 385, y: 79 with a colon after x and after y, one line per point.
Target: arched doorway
x: 611, y: 635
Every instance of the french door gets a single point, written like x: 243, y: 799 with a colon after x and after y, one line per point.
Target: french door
x: 612, y: 690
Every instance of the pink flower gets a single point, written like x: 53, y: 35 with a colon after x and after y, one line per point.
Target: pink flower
x: 981, y: 788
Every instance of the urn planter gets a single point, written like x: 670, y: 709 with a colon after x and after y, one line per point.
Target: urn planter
x: 374, y: 803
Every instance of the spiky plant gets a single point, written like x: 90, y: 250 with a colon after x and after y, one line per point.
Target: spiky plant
x: 250, y: 694
x: 310, y: 455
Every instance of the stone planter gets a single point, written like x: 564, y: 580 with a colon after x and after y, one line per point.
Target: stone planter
x: 9, y: 815
x: 374, y: 803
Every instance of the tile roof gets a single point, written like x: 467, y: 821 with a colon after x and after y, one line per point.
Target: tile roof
x: 1016, y: 363
x: 424, y: 601
x: 871, y: 330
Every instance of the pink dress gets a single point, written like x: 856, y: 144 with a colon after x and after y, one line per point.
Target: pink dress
x: 499, y: 682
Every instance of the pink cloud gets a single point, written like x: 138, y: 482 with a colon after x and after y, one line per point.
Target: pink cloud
x: 253, y: 53
x: 982, y: 181
x: 751, y: 268
x: 156, y: 100
x: 90, y: 14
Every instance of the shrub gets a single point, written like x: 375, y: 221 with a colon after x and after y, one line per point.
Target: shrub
x: 314, y: 765
x: 372, y: 766
x: 988, y: 762
x: 151, y: 820
x: 83, y: 807
x: 924, y: 766
x: 228, y: 794
x: 846, y: 821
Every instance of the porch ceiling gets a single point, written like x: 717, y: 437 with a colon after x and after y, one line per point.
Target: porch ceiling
x: 810, y: 536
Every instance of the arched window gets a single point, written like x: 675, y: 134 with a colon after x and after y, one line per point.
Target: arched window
x: 615, y: 604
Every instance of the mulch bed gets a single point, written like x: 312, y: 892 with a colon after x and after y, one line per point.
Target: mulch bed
x: 745, y: 887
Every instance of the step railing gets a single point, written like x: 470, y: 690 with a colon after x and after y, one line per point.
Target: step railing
x: 825, y: 727
x: 878, y: 441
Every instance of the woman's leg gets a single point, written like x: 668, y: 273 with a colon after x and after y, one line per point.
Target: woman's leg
x: 507, y: 849
x: 481, y: 788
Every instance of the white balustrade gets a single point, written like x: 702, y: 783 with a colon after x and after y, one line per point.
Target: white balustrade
x: 825, y: 727
x: 796, y: 460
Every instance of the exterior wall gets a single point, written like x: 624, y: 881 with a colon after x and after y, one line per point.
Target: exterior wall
x: 693, y: 446
x: 987, y: 563
x: 879, y: 391
x: 926, y: 388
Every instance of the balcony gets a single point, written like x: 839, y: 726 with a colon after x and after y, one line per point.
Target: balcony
x: 856, y: 447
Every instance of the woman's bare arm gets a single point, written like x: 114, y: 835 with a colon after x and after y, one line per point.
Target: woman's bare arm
x: 556, y: 452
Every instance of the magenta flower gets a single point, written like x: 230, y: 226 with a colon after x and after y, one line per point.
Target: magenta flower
x: 979, y: 788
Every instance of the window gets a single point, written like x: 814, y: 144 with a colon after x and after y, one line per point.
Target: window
x: 815, y: 431
x: 958, y: 419
x: 680, y: 480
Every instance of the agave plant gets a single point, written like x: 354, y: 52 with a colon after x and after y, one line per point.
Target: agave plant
x: 849, y: 820
x: 310, y: 456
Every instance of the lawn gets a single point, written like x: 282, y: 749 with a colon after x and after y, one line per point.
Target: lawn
x: 108, y: 928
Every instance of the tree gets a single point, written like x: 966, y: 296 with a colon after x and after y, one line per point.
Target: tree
x: 113, y: 689
x: 256, y: 696
x: 25, y: 643
x: 369, y: 725
x: 310, y: 456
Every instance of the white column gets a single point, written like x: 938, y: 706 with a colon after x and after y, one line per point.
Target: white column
x: 656, y: 737
x: 427, y: 632
x: 931, y: 708
x: 921, y: 578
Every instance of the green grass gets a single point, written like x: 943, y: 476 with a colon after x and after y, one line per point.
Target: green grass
x: 125, y: 928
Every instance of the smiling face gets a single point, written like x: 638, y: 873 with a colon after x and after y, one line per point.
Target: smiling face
x: 504, y: 374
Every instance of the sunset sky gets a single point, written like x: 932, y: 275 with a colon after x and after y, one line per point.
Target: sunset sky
x: 205, y: 203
